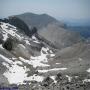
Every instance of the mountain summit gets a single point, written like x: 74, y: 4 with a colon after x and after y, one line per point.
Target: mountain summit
x: 36, y: 20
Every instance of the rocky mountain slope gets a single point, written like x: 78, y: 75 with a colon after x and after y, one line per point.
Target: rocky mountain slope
x: 59, y: 37
x: 24, y: 57
x: 37, y: 59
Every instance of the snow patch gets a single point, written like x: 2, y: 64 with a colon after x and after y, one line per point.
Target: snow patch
x: 69, y: 78
x: 54, y: 69
x: 33, y: 62
x: 80, y: 59
x: 27, y: 42
x: 58, y: 63
x: 53, y: 77
x: 38, y: 60
x: 35, y: 78
x: 5, y: 36
x: 7, y: 30
x: 16, y: 74
x: 88, y: 70
x: 86, y: 80
x: 6, y: 59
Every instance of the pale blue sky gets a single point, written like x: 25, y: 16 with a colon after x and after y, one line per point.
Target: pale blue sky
x: 74, y: 9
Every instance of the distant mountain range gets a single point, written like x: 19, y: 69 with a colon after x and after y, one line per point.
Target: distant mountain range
x: 76, y: 22
x: 83, y: 30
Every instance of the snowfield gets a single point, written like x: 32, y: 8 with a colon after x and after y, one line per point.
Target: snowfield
x: 17, y: 74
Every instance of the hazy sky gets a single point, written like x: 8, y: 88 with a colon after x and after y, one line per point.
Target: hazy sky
x: 75, y: 9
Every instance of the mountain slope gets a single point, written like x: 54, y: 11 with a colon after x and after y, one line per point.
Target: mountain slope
x: 29, y: 61
x: 49, y: 29
x: 59, y: 36
x: 20, y: 63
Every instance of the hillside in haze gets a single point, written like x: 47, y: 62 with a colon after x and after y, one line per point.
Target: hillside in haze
x: 60, y: 37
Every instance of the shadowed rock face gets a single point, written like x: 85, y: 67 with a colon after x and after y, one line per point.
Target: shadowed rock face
x: 19, y: 24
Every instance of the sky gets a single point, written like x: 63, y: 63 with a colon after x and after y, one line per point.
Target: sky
x: 61, y: 9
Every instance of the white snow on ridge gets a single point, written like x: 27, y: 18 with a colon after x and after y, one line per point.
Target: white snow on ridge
x: 5, y: 36
x: 6, y: 59
x: 53, y: 77
x: 11, y: 31
x: 35, y: 78
x: 1, y: 46
x: 88, y: 70
x: 86, y: 80
x: 69, y: 78
x: 36, y: 41
x: 34, y: 38
x: 45, y: 49
x: 38, y: 60
x: 27, y: 42
x: 58, y: 63
x: 54, y: 69
x: 33, y: 62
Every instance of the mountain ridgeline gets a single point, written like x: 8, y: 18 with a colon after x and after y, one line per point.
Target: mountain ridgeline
x: 36, y: 20
x: 48, y: 28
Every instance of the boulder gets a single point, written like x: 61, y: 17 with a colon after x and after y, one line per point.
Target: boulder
x: 21, y: 51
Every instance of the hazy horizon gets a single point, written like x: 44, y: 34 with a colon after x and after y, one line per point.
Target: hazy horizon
x: 60, y: 9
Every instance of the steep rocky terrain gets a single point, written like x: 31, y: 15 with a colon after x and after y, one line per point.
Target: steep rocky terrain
x: 51, y: 57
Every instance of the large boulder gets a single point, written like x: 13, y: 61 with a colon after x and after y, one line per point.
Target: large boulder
x: 8, y: 44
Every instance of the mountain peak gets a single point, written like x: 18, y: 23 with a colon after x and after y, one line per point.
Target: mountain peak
x: 37, y: 20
